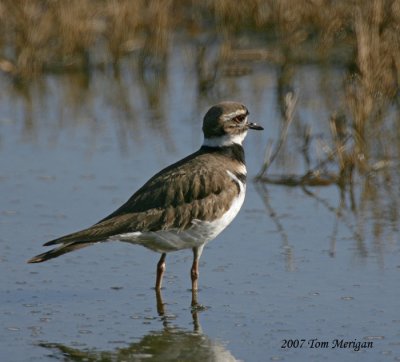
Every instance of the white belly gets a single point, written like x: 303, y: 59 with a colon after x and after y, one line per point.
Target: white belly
x: 199, y: 233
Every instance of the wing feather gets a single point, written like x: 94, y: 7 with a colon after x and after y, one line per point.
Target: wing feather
x: 173, y: 198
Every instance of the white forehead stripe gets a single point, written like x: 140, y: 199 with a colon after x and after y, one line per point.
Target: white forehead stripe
x: 239, y: 112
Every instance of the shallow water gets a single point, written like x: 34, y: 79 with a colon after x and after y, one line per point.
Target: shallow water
x: 288, y: 268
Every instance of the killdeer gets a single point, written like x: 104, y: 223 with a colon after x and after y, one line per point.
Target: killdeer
x: 185, y: 205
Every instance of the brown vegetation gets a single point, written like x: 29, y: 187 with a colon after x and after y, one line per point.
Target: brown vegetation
x: 42, y: 35
x: 55, y: 35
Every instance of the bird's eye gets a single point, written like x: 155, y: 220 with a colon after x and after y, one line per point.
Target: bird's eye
x: 239, y: 119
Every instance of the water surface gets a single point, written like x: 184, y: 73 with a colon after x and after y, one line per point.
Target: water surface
x: 72, y: 149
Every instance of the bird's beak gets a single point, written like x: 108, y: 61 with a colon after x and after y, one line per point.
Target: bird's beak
x: 255, y: 126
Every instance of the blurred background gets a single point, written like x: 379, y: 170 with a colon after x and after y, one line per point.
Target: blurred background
x: 98, y: 95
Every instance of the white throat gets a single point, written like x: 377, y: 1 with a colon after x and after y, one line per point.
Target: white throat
x: 225, y: 140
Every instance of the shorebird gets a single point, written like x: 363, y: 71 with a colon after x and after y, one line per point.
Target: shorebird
x: 183, y: 206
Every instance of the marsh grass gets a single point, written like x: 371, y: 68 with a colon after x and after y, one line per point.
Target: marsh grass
x: 37, y: 35
x: 40, y: 36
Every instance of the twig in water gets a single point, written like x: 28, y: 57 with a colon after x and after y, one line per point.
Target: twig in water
x: 290, y: 104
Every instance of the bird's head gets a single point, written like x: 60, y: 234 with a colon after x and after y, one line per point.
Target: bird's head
x: 226, y: 123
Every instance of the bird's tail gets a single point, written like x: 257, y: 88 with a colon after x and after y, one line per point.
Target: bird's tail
x: 54, y: 253
x: 99, y: 232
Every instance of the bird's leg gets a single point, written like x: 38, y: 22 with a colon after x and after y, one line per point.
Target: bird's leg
x: 160, y: 271
x: 194, y: 273
x: 160, y: 303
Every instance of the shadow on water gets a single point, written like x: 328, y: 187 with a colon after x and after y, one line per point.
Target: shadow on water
x: 170, y: 343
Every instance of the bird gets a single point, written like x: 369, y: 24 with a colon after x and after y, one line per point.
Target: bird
x: 185, y: 205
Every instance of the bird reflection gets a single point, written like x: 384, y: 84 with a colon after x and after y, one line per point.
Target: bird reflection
x: 170, y: 343
x: 196, y: 308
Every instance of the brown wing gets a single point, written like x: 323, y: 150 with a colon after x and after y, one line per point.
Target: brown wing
x: 190, y: 189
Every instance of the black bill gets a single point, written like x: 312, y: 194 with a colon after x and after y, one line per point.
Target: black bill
x: 255, y: 126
